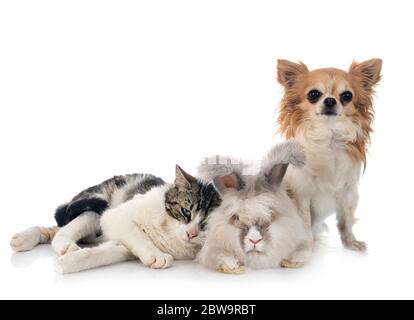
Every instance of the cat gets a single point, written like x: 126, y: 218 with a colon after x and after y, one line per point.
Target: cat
x: 132, y: 216
x: 80, y: 217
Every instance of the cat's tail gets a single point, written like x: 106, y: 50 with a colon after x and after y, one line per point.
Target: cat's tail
x: 30, y: 238
x: 70, y: 211
x: 216, y: 166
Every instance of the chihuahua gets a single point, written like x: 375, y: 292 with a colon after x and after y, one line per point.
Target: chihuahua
x: 329, y: 111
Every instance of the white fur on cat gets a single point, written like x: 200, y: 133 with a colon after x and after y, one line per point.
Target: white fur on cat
x: 138, y: 228
x: 66, y: 238
x: 144, y: 217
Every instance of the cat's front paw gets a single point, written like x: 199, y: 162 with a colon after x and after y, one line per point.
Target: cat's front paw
x: 68, y: 263
x: 25, y: 241
x: 230, y: 266
x: 63, y: 247
x: 63, y: 266
x: 158, y: 261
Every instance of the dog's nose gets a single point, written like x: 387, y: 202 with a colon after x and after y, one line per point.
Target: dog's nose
x: 329, y: 102
x: 255, y: 241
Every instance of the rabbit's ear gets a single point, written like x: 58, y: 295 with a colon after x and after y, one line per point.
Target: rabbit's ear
x: 234, y: 219
x: 276, y: 174
x: 228, y: 182
x: 279, y: 157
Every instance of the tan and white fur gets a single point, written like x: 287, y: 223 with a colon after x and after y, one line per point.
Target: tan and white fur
x: 329, y: 111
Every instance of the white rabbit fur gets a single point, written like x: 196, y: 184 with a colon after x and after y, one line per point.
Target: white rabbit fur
x: 258, y: 224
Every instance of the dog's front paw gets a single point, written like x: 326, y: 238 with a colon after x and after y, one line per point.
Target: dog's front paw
x: 158, y: 261
x: 356, y: 245
x: 230, y: 266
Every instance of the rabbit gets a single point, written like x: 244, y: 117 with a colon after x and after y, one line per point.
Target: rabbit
x: 258, y: 225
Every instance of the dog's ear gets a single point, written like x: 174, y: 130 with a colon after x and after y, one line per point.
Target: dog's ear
x: 276, y: 174
x: 228, y: 182
x: 182, y: 178
x: 288, y: 72
x: 368, y: 72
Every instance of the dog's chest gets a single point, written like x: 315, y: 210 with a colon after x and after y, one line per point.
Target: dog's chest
x: 329, y: 173
x: 329, y: 166
x: 330, y: 169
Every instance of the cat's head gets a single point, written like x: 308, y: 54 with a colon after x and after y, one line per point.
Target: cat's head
x: 189, y: 201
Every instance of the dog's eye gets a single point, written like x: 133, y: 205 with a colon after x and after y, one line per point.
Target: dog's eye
x: 314, y: 95
x: 346, y: 97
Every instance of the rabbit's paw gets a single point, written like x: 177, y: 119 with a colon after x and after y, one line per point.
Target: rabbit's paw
x: 231, y: 266
x: 292, y: 264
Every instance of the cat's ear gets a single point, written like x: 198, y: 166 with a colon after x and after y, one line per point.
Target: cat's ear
x: 276, y: 174
x: 228, y: 182
x: 182, y: 178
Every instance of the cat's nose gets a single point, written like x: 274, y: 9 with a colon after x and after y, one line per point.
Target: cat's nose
x: 255, y: 241
x: 192, y: 234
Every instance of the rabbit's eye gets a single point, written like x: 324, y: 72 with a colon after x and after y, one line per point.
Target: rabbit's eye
x: 265, y: 227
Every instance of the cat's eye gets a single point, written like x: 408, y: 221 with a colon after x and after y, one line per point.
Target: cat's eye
x: 186, y: 213
x: 346, y: 97
x: 314, y: 95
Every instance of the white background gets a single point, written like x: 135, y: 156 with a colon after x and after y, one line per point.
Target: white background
x: 89, y: 89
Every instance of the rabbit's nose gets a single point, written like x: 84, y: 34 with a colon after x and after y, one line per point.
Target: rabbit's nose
x: 255, y: 241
